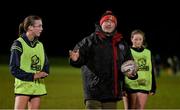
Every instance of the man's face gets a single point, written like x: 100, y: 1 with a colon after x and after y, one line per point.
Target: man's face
x: 108, y: 26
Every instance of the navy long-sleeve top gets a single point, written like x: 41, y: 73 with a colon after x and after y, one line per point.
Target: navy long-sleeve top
x: 14, y: 64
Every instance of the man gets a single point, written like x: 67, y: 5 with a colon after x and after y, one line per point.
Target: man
x: 100, y: 57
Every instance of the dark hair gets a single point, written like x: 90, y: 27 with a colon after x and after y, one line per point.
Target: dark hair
x: 28, y: 21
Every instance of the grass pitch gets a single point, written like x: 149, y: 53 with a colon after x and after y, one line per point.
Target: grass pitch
x: 64, y: 86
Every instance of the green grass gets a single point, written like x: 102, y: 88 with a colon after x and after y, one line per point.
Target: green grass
x: 64, y: 86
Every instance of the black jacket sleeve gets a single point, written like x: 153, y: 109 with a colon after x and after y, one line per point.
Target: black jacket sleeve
x: 14, y: 64
x: 125, y: 52
x: 83, y: 47
x: 128, y: 55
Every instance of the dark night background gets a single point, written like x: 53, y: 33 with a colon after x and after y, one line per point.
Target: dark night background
x: 66, y: 22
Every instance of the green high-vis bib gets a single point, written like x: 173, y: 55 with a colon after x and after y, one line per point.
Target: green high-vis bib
x: 144, y: 80
x: 31, y: 61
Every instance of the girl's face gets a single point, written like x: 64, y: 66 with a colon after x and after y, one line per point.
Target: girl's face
x: 108, y: 26
x: 137, y: 40
x: 37, y: 28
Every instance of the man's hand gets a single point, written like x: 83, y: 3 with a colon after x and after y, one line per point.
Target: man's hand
x: 74, y: 55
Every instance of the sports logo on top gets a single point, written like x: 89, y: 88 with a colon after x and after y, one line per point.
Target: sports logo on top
x: 35, y: 63
x: 142, y: 64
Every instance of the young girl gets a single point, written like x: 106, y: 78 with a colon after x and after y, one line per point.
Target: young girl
x: 137, y: 90
x: 29, y: 64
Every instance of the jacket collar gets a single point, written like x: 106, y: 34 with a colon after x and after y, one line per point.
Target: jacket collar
x: 115, y: 36
x: 30, y: 43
